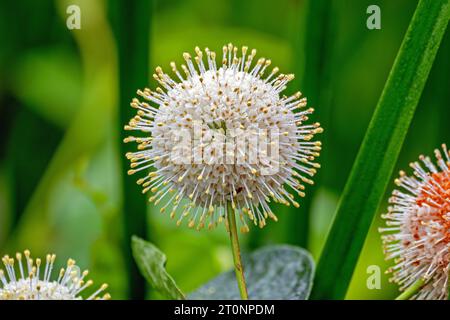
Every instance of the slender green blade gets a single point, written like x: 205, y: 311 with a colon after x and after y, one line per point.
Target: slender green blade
x: 380, y: 149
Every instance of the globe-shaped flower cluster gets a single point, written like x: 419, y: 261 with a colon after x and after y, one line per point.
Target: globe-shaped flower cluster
x: 219, y: 137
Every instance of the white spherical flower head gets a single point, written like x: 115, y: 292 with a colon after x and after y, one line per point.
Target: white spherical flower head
x: 222, y: 137
x: 31, y: 280
x: 417, y: 235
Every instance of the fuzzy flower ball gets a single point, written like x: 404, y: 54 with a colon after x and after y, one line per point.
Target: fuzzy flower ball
x: 218, y: 137
x: 417, y: 232
x: 28, y: 279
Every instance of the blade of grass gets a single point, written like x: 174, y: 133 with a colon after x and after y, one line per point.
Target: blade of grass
x: 132, y: 27
x: 380, y: 149
x: 440, y: 92
x: 316, y: 74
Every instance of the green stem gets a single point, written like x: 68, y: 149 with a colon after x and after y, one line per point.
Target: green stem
x: 238, y: 266
x: 412, y: 290
x: 88, y: 131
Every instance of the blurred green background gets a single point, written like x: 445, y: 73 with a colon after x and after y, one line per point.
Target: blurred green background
x: 62, y: 181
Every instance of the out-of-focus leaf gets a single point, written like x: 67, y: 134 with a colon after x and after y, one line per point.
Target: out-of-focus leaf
x: 151, y: 262
x: 82, y: 217
x: 49, y: 82
x: 107, y: 264
x: 315, y: 73
x: 204, y: 254
x: 28, y: 129
x: 371, y: 258
x: 279, y: 272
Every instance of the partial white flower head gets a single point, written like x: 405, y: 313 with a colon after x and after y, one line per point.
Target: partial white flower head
x: 417, y: 232
x: 217, y: 134
x: 32, y: 280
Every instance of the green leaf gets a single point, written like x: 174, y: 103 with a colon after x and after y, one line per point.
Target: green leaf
x: 380, y: 149
x: 56, y: 96
x: 151, y: 262
x: 279, y: 272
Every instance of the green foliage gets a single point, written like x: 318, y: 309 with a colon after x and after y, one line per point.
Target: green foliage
x: 151, y: 262
x: 133, y: 44
x: 380, y: 149
x: 316, y: 75
x: 274, y: 272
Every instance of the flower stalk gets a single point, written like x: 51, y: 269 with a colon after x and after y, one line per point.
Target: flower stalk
x: 412, y: 290
x: 238, y: 266
x: 132, y: 28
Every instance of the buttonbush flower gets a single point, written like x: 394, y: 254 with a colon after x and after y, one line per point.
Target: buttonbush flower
x: 417, y: 232
x: 223, y: 133
x: 28, y: 279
